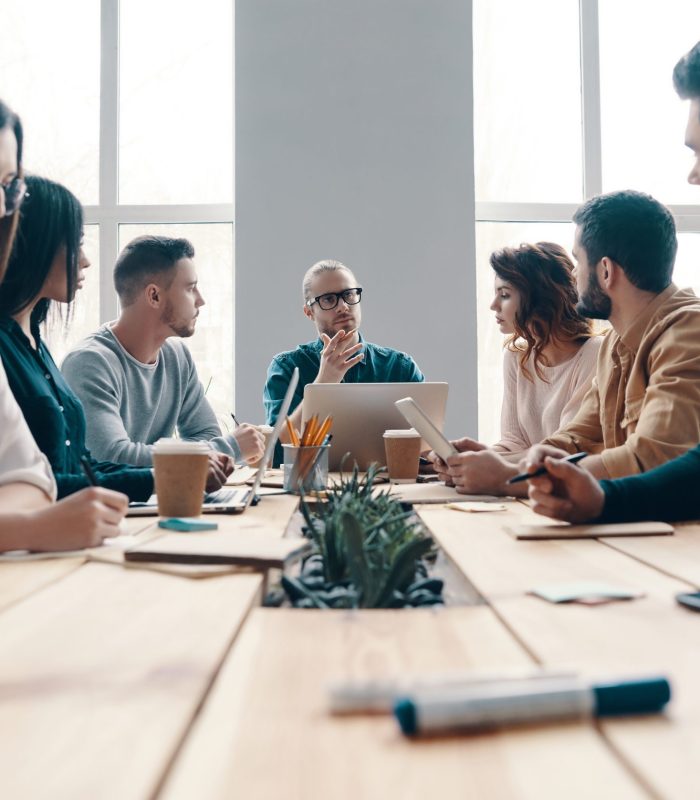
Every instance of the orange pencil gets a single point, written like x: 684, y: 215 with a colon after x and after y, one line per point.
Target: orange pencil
x: 293, y: 435
x: 325, y: 427
x: 309, y: 431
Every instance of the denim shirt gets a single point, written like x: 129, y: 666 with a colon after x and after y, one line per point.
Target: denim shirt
x: 380, y: 365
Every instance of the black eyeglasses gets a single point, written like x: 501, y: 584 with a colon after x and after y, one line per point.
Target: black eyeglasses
x: 330, y: 300
x: 15, y: 192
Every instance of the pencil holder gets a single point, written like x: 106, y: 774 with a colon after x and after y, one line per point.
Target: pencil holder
x: 305, y: 468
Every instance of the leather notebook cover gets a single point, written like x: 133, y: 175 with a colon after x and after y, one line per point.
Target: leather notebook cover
x: 244, y: 548
x: 565, y: 531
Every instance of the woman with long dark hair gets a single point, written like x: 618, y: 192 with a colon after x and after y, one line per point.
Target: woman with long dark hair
x: 550, y: 353
x: 28, y: 517
x: 47, y: 266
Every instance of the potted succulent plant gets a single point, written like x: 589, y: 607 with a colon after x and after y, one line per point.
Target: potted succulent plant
x: 370, y: 552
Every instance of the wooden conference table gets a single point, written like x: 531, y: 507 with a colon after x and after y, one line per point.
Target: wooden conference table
x: 132, y: 683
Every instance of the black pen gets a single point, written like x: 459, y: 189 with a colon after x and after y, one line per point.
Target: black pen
x: 87, y: 469
x: 233, y: 417
x: 525, y: 476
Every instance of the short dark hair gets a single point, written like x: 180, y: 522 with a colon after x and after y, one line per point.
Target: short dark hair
x: 8, y: 225
x: 686, y: 74
x: 635, y: 231
x: 50, y: 217
x: 144, y: 258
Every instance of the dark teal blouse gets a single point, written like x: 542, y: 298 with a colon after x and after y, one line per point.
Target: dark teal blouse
x: 56, y: 418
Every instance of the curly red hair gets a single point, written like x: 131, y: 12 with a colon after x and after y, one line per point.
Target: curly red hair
x: 542, y: 274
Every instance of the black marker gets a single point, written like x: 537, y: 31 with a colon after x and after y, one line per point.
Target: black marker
x: 525, y: 476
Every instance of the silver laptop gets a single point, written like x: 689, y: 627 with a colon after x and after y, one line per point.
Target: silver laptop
x: 363, y: 411
x: 232, y: 500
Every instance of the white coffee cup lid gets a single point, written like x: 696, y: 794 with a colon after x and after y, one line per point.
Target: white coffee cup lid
x: 179, y: 446
x: 404, y: 433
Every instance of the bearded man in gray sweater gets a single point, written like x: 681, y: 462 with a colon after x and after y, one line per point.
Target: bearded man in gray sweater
x: 136, y: 378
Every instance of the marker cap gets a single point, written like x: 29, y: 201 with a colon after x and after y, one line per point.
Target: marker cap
x: 405, y: 713
x: 635, y: 696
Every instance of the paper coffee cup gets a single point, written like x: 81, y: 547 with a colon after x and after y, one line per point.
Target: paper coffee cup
x: 266, y: 431
x: 180, y: 471
x: 402, y: 448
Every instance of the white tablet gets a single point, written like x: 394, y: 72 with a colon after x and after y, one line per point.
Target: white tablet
x: 419, y: 420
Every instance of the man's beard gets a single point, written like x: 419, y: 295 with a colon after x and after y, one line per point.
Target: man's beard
x: 594, y: 303
x: 179, y: 328
x: 331, y: 331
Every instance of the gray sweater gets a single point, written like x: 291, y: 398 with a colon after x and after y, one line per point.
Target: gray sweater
x: 130, y: 405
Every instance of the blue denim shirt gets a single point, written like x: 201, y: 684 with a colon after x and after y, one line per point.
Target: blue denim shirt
x: 380, y: 365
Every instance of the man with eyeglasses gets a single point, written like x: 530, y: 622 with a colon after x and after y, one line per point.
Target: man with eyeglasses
x: 332, y: 297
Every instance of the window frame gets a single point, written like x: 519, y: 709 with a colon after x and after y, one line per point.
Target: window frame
x: 687, y: 216
x: 109, y: 214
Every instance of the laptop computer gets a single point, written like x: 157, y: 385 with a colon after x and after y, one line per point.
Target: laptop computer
x: 363, y: 411
x: 232, y: 500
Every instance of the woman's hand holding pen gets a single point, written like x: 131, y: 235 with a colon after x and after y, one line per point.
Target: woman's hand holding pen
x: 337, y: 358
x: 567, y: 491
x: 80, y: 520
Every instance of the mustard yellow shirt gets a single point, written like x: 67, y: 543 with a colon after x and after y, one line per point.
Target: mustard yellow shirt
x: 643, y: 407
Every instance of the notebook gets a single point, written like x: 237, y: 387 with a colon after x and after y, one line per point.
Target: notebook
x: 243, y: 548
x: 565, y: 531
x: 232, y: 500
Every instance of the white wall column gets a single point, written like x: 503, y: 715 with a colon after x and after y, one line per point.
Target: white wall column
x: 354, y: 141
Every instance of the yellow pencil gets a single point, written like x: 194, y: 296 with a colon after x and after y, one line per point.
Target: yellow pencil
x: 293, y: 435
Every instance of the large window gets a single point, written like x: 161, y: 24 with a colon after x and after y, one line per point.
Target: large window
x: 573, y: 97
x: 129, y: 103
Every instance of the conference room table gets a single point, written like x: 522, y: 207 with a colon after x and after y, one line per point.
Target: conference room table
x: 123, y: 680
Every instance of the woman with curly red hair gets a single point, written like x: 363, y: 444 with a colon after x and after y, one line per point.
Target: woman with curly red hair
x: 550, y: 353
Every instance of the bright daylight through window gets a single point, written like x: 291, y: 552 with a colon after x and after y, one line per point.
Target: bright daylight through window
x: 140, y: 128
x: 570, y: 100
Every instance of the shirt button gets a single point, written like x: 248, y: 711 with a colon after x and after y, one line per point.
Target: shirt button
x: 67, y: 442
x: 60, y: 408
x: 47, y: 376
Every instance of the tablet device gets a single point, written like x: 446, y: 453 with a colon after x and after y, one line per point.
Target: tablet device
x: 419, y: 420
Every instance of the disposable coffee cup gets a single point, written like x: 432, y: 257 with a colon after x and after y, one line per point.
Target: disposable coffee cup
x: 180, y: 470
x: 402, y: 448
x: 266, y: 431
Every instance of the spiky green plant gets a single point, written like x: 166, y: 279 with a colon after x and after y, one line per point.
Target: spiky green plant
x: 369, y: 550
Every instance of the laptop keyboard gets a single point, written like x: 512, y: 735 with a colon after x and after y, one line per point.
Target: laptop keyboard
x: 226, y: 496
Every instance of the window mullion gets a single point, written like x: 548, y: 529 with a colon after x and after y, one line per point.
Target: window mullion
x: 590, y: 98
x: 109, y: 152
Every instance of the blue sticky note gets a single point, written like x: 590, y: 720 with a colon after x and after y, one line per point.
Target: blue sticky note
x: 187, y: 524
